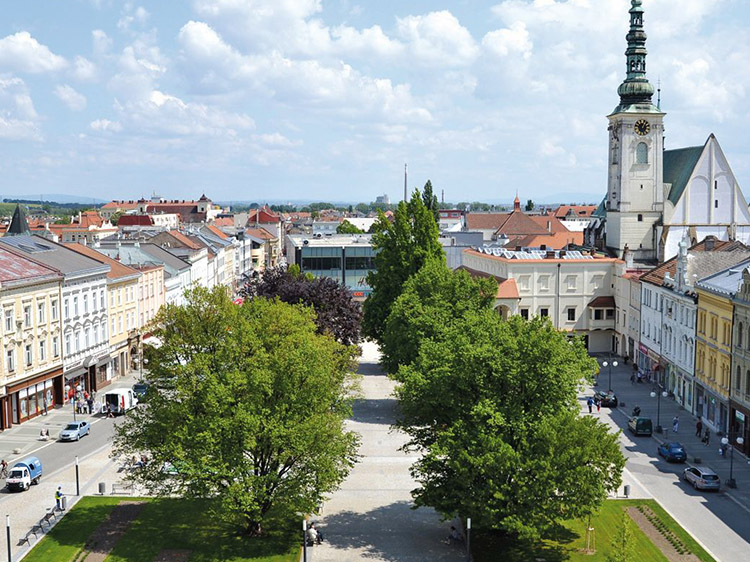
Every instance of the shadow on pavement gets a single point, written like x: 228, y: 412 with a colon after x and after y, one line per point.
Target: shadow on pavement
x: 367, y: 369
x: 392, y: 532
x: 371, y: 410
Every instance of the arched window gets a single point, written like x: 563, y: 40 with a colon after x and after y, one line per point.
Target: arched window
x: 738, y: 382
x: 739, y: 335
x: 641, y: 153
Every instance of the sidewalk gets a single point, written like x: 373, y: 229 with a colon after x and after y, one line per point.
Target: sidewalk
x: 23, y: 438
x: 632, y: 394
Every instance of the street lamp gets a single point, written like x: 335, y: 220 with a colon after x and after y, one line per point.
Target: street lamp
x: 731, y: 483
x: 658, y: 396
x: 304, y: 540
x: 610, y: 365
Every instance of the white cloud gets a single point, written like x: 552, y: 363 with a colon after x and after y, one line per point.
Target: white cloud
x: 438, y: 39
x: 22, y: 53
x: 515, y: 39
x: 277, y: 140
x: 102, y: 43
x: 104, y: 125
x: 70, y: 97
x: 18, y: 120
x: 83, y: 69
x: 132, y: 15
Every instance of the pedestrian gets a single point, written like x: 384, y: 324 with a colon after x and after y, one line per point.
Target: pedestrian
x: 598, y: 406
x: 312, y: 535
x: 632, y: 379
x: 3, y: 468
x: 590, y: 404
x: 58, y: 498
x: 44, y: 403
x: 707, y: 437
x: 698, y: 428
x: 90, y: 402
x: 675, y: 424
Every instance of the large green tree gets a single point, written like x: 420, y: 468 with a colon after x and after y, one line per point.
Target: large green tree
x: 432, y: 299
x: 492, y: 406
x: 247, y: 407
x: 403, y: 247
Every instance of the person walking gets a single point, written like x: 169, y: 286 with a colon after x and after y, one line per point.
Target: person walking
x: 675, y: 424
x: 598, y: 406
x: 58, y: 498
x: 698, y: 428
x: 590, y: 404
x: 3, y: 469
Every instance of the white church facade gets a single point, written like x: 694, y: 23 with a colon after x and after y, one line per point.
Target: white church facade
x: 655, y: 197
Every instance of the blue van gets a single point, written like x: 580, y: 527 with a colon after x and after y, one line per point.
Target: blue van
x: 23, y: 474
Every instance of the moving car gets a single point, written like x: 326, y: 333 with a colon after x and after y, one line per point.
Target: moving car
x: 140, y: 389
x: 75, y: 430
x: 701, y: 478
x: 608, y: 399
x: 641, y: 426
x: 672, y: 452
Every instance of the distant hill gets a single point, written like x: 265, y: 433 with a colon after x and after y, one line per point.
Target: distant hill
x: 57, y: 198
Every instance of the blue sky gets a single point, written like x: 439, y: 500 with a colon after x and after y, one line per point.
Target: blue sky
x: 326, y: 99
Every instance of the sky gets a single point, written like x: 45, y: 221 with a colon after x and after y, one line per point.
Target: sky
x: 274, y: 100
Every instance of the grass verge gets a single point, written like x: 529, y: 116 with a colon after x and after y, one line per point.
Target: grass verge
x: 164, y: 524
x: 568, y: 541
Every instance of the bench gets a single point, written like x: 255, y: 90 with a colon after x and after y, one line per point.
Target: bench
x: 33, y: 531
x: 122, y: 488
x: 48, y: 517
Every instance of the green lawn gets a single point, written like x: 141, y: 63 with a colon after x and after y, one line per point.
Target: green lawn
x: 163, y: 524
x: 568, y: 542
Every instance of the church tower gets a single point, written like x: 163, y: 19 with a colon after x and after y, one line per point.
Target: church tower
x: 635, y: 192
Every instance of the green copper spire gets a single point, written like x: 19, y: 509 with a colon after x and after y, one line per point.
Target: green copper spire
x: 636, y: 89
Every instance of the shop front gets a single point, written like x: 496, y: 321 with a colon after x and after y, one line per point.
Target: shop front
x: 710, y: 408
x: 649, y: 363
x: 30, y: 398
x: 97, y: 372
x: 681, y: 384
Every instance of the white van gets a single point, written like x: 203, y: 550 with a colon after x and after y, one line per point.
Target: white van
x: 118, y: 401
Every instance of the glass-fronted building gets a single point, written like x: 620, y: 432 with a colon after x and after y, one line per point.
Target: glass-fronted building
x: 346, y: 258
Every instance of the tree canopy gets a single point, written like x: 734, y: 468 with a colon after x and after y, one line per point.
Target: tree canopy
x: 492, y: 406
x: 336, y: 311
x: 246, y: 408
x: 430, y: 201
x: 348, y: 228
x: 432, y: 299
x: 402, y: 247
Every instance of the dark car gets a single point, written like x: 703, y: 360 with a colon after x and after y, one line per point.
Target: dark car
x: 140, y: 389
x: 640, y: 426
x: 672, y: 452
x: 608, y: 399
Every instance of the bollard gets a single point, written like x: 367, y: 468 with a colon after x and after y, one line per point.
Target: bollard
x: 627, y: 490
x: 102, y: 488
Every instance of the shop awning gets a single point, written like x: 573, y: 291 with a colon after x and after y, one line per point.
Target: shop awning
x: 77, y: 372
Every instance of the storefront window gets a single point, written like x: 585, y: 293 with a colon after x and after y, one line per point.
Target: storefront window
x: 24, y: 408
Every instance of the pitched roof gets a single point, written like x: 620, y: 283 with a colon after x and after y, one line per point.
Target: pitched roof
x: 224, y: 221
x: 556, y: 241
x: 261, y: 233
x: 135, y: 220
x: 16, y: 268
x: 726, y: 282
x: 602, y: 302
x: 519, y: 223
x: 117, y: 270
x: 53, y: 255
x: 183, y: 240
x: 549, y: 222
x: 124, y: 205
x: 485, y: 221
x: 678, y: 166
x: 580, y: 210
x: 264, y: 216
x: 89, y: 218
x: 216, y: 232
x: 710, y: 261
x: 19, y: 226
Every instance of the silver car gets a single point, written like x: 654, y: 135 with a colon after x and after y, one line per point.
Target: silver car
x: 701, y: 478
x: 75, y: 430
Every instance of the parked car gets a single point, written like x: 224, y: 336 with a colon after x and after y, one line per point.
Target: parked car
x: 140, y: 389
x: 641, y: 426
x: 608, y: 399
x: 75, y: 430
x: 701, y: 478
x: 672, y: 452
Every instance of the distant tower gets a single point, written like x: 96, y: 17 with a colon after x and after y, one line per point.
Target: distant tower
x: 406, y: 198
x: 635, y: 193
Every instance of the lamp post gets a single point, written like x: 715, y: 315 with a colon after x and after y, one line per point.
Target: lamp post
x: 731, y: 482
x: 304, y: 540
x: 468, y: 538
x: 658, y: 394
x: 78, y: 482
x: 610, y: 365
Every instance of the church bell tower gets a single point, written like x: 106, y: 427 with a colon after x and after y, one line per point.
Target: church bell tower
x: 635, y: 192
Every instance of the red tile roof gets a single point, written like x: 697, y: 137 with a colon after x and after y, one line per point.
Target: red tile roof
x: 485, y: 221
x: 135, y: 220
x: 261, y: 233
x: 602, y: 302
x: 264, y: 216
x: 214, y: 230
x: 556, y: 241
x: 580, y: 210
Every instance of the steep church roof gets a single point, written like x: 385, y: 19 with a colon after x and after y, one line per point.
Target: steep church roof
x: 19, y: 226
x: 678, y: 166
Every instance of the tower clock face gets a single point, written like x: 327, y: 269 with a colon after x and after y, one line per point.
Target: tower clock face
x: 642, y: 127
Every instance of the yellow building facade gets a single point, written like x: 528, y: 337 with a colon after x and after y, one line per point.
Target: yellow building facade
x: 713, y: 349
x: 31, y: 370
